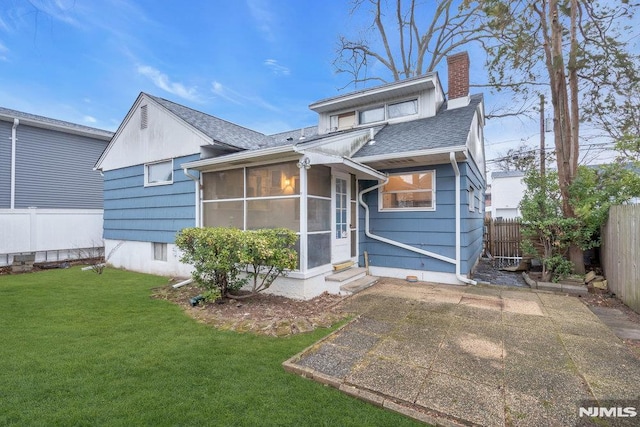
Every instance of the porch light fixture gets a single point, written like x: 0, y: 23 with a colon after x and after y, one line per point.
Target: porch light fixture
x: 305, y: 162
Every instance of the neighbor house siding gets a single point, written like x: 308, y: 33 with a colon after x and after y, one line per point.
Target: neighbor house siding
x: 432, y: 231
x: 55, y: 169
x: 147, y: 214
x: 5, y: 165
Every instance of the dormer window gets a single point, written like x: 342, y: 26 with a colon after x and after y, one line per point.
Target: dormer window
x: 343, y: 121
x: 372, y: 115
x: 401, y: 109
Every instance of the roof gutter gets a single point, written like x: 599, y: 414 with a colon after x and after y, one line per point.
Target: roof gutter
x: 236, y: 157
x: 456, y: 261
x: 456, y: 170
x: 14, y: 140
x: 412, y: 154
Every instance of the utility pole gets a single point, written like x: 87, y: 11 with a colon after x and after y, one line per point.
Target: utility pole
x: 542, y: 130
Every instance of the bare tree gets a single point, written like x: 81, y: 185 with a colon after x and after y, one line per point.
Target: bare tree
x: 403, y: 45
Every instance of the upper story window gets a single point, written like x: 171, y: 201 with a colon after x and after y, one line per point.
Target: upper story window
x: 409, y: 191
x: 343, y: 121
x: 159, y: 173
x: 375, y: 114
x: 401, y: 109
x: 372, y: 115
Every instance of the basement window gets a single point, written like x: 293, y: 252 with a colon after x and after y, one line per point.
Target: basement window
x: 158, y: 173
x: 159, y: 251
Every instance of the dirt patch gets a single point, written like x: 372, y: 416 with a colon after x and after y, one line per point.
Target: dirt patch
x: 261, y: 314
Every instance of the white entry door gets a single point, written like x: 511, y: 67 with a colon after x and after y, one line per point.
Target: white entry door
x: 341, y: 228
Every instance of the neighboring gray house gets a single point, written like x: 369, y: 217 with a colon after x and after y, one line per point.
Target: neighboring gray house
x: 50, y: 196
x: 395, y: 171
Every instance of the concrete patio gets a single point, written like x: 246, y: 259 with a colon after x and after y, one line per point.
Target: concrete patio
x: 490, y: 356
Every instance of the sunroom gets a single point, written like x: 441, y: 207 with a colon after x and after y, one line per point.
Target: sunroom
x: 309, y: 192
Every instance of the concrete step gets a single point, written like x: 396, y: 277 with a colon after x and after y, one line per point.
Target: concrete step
x: 346, y: 276
x: 358, y: 285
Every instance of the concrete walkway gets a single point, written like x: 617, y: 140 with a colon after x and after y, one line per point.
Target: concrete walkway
x: 479, y: 355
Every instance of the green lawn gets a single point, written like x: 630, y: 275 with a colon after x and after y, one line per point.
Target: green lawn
x: 77, y: 348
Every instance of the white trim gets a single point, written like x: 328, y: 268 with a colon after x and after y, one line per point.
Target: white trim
x: 427, y: 81
x: 408, y: 154
x: 154, y: 184
x: 463, y: 101
x: 242, y: 155
x: 381, y: 208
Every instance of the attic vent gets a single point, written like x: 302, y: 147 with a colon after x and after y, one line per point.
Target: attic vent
x: 401, y: 161
x: 144, y: 117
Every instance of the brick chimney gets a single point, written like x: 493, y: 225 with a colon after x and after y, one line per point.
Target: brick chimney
x: 458, y: 65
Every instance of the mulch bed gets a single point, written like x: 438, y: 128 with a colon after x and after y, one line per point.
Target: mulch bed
x: 262, y: 314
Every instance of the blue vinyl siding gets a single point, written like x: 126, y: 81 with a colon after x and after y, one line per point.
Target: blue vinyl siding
x: 5, y: 164
x: 147, y: 214
x: 432, y: 231
x: 472, y: 223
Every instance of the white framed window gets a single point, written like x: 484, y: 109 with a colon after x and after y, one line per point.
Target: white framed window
x: 402, y: 109
x: 159, y: 251
x: 158, y: 173
x: 342, y: 121
x: 372, y: 115
x: 411, y: 191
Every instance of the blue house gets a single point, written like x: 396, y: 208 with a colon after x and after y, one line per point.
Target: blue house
x: 392, y: 177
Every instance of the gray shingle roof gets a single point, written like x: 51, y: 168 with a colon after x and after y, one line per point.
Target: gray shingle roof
x: 293, y: 136
x: 218, y: 129
x: 448, y: 128
x: 9, y: 113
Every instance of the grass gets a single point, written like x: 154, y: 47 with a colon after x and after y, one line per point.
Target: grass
x: 77, y: 348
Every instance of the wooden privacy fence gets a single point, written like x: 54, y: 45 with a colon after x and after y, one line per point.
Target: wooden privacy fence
x: 502, y: 238
x: 620, y: 253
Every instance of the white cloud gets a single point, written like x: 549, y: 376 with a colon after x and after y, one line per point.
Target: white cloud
x: 261, y: 12
x: 90, y: 119
x: 231, y: 95
x: 163, y: 82
x: 3, y: 52
x: 277, y: 69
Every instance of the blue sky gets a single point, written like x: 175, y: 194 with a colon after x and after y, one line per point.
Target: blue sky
x: 257, y: 63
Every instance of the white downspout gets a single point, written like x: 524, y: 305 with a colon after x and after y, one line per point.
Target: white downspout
x: 459, y: 276
x: 389, y: 241
x: 196, y: 180
x: 14, y: 139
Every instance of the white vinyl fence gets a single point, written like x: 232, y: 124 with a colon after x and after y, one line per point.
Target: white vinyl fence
x: 52, y: 234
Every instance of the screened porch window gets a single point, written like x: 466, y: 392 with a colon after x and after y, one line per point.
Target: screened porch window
x: 409, y: 191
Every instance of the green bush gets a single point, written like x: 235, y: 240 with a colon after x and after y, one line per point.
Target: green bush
x: 219, y: 256
x: 215, y: 254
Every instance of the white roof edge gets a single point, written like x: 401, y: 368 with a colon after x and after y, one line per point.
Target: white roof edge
x: 331, y: 103
x: 87, y: 131
x: 391, y: 156
x: 242, y: 155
